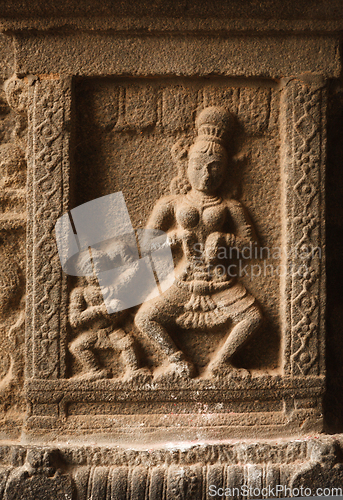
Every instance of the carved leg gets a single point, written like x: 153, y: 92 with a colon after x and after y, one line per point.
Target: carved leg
x: 147, y: 324
x: 243, y: 329
x: 81, y: 348
x: 150, y: 320
x: 130, y: 359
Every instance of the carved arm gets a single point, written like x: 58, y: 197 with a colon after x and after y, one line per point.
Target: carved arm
x: 79, y: 313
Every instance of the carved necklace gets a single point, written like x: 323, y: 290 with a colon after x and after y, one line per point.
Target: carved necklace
x: 203, y: 200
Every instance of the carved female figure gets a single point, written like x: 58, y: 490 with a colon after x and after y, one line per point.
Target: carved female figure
x: 202, y: 297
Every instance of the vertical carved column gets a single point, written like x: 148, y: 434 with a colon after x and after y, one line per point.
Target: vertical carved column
x: 48, y: 196
x: 303, y: 167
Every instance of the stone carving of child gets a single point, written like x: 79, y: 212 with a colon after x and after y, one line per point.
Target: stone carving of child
x: 97, y: 329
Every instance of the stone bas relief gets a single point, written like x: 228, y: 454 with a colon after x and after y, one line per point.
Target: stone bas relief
x: 161, y: 129
x: 99, y: 330
x: 202, y: 298
x: 215, y: 355
x: 213, y: 128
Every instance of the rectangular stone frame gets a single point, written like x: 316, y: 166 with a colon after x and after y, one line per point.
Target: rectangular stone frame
x: 294, y: 399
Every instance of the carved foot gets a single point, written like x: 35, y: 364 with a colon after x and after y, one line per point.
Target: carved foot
x: 178, y: 369
x: 139, y: 376
x: 95, y: 374
x: 218, y: 369
x: 240, y: 373
x: 221, y: 369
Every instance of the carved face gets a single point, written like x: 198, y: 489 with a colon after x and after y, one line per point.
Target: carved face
x: 206, y: 169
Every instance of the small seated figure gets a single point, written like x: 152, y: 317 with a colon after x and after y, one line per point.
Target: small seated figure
x: 199, y: 215
x: 99, y: 330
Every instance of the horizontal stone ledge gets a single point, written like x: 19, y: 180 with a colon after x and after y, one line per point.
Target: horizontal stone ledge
x: 192, y: 388
x: 156, y: 25
x: 244, y: 451
x: 98, y: 54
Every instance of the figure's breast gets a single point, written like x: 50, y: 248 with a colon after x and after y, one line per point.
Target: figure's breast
x: 213, y: 218
x: 210, y: 218
x: 188, y: 217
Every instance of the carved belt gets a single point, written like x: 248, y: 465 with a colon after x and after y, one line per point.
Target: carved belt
x: 201, y: 310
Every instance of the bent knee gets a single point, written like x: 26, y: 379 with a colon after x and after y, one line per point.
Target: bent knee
x: 80, y: 344
x: 74, y: 346
x: 144, y: 316
x: 255, y: 316
x: 252, y: 318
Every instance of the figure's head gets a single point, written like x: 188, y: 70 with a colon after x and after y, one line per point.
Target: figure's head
x: 16, y: 94
x: 208, y: 158
x: 91, y: 266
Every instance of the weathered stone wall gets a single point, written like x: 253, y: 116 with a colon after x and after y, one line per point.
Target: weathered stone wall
x: 220, y: 123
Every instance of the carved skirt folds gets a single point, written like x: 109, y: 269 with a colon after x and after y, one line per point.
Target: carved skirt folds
x: 206, y: 305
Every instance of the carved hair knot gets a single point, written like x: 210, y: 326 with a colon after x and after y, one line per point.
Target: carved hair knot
x: 213, y: 124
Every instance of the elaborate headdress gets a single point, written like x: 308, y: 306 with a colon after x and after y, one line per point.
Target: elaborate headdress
x: 212, y: 125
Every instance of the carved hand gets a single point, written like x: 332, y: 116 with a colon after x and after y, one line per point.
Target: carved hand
x: 231, y: 240
x: 115, y: 305
x: 179, y: 236
x: 213, y: 242
x: 93, y: 311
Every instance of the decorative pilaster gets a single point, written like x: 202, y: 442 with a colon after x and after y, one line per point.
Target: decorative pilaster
x: 48, y: 196
x: 303, y: 167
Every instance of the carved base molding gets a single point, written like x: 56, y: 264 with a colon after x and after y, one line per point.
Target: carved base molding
x: 116, y: 411
x: 176, y: 471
